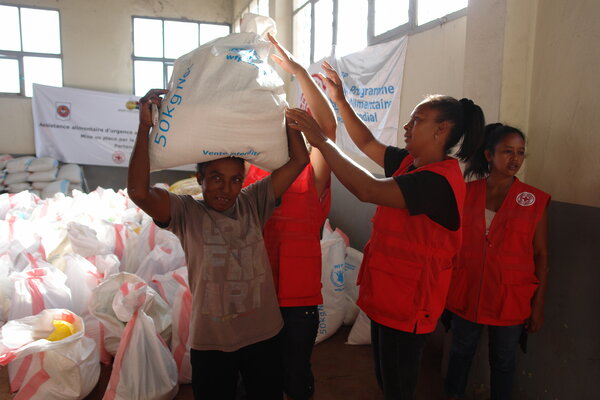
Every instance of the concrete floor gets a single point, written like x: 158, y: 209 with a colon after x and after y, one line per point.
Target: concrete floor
x: 342, y: 372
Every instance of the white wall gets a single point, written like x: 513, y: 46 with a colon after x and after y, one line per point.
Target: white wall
x: 97, y: 48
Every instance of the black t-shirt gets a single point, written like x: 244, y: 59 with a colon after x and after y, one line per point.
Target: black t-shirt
x: 425, y: 192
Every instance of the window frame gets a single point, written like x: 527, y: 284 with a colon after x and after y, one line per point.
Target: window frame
x: 165, y: 60
x: 409, y: 28
x: 20, y: 54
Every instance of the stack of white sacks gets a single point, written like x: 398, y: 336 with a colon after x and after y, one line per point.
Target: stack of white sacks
x: 42, y: 176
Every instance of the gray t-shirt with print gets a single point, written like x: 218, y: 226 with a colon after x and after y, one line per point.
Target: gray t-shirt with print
x: 234, y: 303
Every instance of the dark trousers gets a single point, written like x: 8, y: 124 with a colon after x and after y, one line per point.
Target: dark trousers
x: 397, y: 357
x: 503, y: 342
x: 215, y: 373
x: 297, y: 341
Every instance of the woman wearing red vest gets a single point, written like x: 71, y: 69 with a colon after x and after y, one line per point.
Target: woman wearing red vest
x: 292, y: 237
x: 501, y: 274
x: 416, y: 232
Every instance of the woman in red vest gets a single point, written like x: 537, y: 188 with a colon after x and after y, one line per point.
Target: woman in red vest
x: 416, y: 232
x: 292, y: 238
x: 501, y: 274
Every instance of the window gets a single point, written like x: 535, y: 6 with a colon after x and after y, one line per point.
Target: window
x: 351, y: 25
x: 158, y: 42
x: 260, y: 7
x: 30, y: 49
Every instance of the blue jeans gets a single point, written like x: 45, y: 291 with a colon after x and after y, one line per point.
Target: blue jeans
x: 503, y: 342
x: 397, y: 357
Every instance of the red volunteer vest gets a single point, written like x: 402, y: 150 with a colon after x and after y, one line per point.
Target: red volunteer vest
x: 494, y: 279
x: 407, y: 265
x: 292, y: 238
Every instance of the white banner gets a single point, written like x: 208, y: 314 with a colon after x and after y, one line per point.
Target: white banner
x: 372, y: 83
x: 84, y: 126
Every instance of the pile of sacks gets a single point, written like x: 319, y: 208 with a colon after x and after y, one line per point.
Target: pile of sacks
x: 43, y: 176
x: 340, y: 266
x: 85, y: 280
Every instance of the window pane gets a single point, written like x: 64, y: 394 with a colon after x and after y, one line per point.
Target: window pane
x: 299, y: 3
x: 147, y: 37
x: 148, y: 75
x: 42, y: 70
x: 169, y: 72
x: 41, y: 30
x: 352, y: 26
x: 263, y: 7
x: 253, y: 7
x: 210, y: 32
x: 180, y: 38
x: 323, y: 29
x: 428, y: 10
x: 9, y: 75
x: 390, y: 14
x: 302, y: 35
x: 10, y: 37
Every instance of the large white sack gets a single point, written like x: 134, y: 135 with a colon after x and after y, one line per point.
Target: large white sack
x: 144, y: 368
x: 224, y: 99
x: 63, y: 369
x: 18, y: 164
x: 351, y: 268
x: 331, y: 312
x: 16, y: 177
x: 4, y: 158
x: 101, y: 307
x: 43, y: 176
x: 70, y: 172
x: 42, y: 164
x: 361, y: 330
x: 175, y: 290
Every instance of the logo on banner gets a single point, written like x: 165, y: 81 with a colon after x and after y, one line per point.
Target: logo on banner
x: 63, y: 111
x: 525, y: 199
x: 118, y: 157
x: 132, y: 105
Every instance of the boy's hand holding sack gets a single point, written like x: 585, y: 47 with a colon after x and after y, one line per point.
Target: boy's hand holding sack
x: 224, y: 99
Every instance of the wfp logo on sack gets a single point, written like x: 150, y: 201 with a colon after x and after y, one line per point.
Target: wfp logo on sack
x: 248, y: 56
x: 337, y: 277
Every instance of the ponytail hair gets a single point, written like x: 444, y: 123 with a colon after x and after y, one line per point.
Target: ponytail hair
x: 478, y: 166
x: 467, y: 123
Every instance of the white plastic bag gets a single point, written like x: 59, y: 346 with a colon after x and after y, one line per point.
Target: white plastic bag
x: 144, y: 368
x: 64, y: 369
x: 101, y: 307
x: 175, y: 290
x: 224, y: 99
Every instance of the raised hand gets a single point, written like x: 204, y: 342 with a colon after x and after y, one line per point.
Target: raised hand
x: 300, y: 120
x: 333, y: 82
x: 285, y: 59
x: 152, y: 97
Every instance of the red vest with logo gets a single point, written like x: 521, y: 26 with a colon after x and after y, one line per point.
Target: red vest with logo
x: 407, y: 265
x: 292, y: 238
x: 494, y: 279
